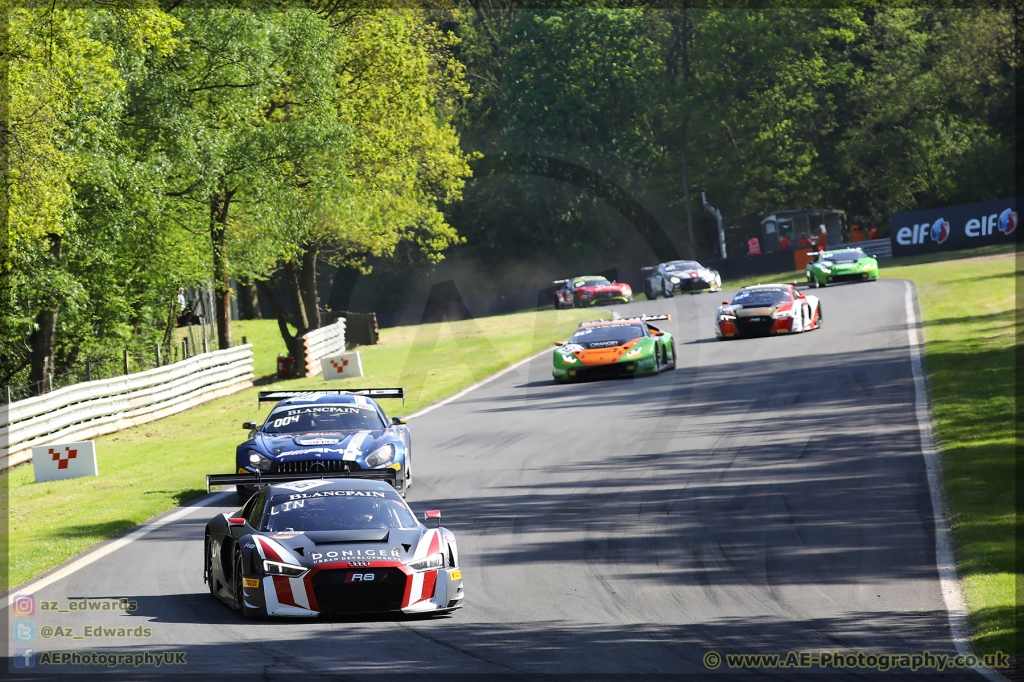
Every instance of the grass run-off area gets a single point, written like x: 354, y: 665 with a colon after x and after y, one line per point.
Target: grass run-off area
x: 968, y: 313
x: 152, y: 468
x: 967, y: 301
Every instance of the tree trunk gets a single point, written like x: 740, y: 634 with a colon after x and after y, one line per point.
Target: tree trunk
x: 220, y: 205
x: 282, y: 319
x: 248, y: 301
x: 44, y: 338
x: 310, y: 299
x: 292, y: 341
x: 300, y: 315
x: 686, y: 190
x: 683, y: 142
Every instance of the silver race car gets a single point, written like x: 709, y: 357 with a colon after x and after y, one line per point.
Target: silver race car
x: 680, y: 277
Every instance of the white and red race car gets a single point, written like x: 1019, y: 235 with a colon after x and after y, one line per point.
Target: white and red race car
x: 767, y: 309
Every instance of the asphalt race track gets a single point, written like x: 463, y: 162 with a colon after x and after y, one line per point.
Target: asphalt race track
x: 767, y: 496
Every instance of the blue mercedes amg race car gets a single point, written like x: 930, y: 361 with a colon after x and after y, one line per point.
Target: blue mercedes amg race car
x: 320, y: 432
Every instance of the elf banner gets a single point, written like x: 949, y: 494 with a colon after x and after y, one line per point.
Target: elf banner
x: 953, y: 227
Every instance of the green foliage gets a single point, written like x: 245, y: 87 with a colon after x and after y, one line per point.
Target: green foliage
x: 182, y: 147
x: 864, y: 109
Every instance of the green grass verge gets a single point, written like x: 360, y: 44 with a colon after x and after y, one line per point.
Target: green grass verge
x: 967, y: 309
x: 147, y: 470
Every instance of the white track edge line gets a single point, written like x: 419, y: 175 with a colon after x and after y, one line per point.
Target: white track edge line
x: 34, y: 586
x: 473, y: 387
x: 945, y: 560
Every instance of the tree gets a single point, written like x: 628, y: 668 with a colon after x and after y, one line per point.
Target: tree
x: 394, y: 86
x: 69, y: 73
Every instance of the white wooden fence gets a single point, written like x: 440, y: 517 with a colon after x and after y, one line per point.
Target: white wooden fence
x: 322, y: 343
x: 94, y: 408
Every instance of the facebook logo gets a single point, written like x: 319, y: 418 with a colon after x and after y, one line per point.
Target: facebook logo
x: 24, y: 657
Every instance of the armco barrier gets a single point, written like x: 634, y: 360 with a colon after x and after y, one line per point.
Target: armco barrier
x: 322, y: 343
x: 95, y: 408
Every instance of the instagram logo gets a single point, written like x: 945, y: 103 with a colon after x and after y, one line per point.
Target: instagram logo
x: 24, y: 605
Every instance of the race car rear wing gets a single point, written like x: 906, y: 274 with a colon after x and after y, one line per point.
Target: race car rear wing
x: 276, y: 396
x: 641, y: 318
x: 260, y: 480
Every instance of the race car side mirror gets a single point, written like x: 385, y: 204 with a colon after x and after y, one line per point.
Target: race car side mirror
x: 559, y: 343
x: 433, y: 514
x: 725, y: 303
x: 249, y: 425
x: 398, y: 421
x: 236, y: 521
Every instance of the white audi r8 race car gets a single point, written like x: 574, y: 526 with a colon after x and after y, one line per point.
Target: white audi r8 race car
x: 767, y: 310
x: 342, y: 544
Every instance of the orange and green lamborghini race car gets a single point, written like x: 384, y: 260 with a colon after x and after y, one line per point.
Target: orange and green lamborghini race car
x: 615, y: 348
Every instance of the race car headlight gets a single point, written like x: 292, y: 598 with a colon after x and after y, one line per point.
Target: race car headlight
x: 382, y: 456
x: 635, y: 351
x: 782, y: 314
x: 259, y: 461
x: 277, y: 568
x: 431, y: 562
x: 569, y: 358
x: 674, y: 280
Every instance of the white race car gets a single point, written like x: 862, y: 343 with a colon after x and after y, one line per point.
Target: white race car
x: 680, y: 277
x: 767, y: 309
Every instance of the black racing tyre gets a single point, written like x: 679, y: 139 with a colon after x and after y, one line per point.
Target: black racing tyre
x: 236, y: 584
x: 821, y: 316
x: 674, y: 358
x: 649, y: 291
x: 815, y: 283
x: 657, y: 358
x: 208, y: 565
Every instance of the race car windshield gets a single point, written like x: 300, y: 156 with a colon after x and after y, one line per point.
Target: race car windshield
x: 592, y: 282
x: 618, y: 332
x: 320, y: 418
x: 760, y: 297
x: 847, y: 256
x: 336, y: 510
x: 682, y: 265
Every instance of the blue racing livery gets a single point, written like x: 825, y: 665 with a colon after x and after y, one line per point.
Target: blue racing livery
x: 325, y: 432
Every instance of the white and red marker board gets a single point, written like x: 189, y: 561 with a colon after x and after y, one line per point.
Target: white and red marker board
x: 342, y: 366
x: 65, y: 460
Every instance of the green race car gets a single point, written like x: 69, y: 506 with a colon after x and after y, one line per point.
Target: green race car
x: 615, y: 348
x: 841, y: 265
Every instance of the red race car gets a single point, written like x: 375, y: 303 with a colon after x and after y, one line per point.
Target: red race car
x: 767, y: 309
x: 585, y: 292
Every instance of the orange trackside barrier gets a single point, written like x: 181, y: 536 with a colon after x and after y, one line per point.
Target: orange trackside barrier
x: 801, y: 257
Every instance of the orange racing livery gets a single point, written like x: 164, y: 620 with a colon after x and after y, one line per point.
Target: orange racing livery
x: 615, y: 348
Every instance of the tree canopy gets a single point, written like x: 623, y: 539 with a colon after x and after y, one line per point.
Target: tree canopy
x: 194, y: 144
